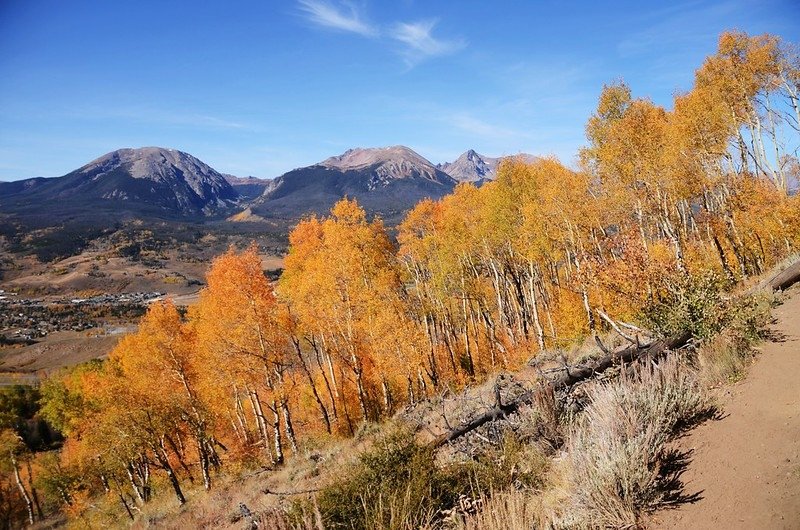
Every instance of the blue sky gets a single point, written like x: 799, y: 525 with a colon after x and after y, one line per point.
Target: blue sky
x: 259, y: 88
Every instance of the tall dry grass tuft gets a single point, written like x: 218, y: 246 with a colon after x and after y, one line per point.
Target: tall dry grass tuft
x: 617, y: 448
x: 513, y: 510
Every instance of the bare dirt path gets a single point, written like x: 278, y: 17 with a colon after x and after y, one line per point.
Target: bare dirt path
x: 746, y: 466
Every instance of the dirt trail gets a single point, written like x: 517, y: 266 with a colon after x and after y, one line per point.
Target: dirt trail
x: 746, y: 466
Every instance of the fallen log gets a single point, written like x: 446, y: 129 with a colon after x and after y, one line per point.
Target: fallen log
x: 572, y: 376
x: 497, y: 412
x: 786, y: 278
x: 652, y: 350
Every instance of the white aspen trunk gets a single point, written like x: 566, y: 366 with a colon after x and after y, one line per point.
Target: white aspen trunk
x: 24, y: 492
x: 261, y: 421
x: 534, y: 309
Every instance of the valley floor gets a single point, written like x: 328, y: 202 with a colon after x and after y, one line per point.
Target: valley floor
x: 745, y: 468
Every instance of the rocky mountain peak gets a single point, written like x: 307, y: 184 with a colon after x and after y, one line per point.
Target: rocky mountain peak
x: 385, y: 164
x: 363, y: 157
x: 385, y: 180
x: 474, y: 167
x: 155, y: 180
x: 160, y: 165
x: 471, y: 167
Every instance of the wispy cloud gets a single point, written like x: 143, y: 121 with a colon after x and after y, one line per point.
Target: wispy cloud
x: 152, y: 115
x: 195, y: 120
x: 345, y: 17
x: 417, y: 39
x: 420, y: 42
x: 683, y: 26
x: 477, y: 127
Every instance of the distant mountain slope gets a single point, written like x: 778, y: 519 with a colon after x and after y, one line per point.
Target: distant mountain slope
x: 248, y: 188
x: 149, y: 180
x: 474, y: 167
x: 387, y: 181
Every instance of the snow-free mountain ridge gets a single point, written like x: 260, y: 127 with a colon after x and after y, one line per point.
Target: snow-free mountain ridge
x: 387, y: 181
x: 152, y: 180
x: 476, y: 168
x: 167, y: 183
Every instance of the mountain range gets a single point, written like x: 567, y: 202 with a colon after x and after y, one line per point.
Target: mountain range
x: 146, y: 181
x: 171, y: 184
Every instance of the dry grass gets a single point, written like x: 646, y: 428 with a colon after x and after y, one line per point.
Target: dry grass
x: 617, y: 448
x: 317, y: 464
x: 723, y: 359
x: 612, y: 469
x: 515, y: 510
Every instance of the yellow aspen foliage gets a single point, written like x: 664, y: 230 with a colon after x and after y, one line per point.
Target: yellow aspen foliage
x: 366, y: 320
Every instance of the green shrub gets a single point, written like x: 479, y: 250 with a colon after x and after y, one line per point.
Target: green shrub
x: 398, y: 484
x: 749, y: 317
x: 688, y: 303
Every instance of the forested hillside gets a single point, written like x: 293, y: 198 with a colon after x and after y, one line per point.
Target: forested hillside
x: 364, y: 323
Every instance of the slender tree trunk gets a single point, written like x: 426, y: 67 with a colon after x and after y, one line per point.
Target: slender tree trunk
x: 547, y: 311
x: 334, y: 385
x: 362, y: 395
x: 179, y: 455
x: 163, y: 461
x: 241, y: 417
x: 287, y: 421
x: 429, y: 332
x: 387, y: 396
x: 781, y: 175
x: 261, y: 421
x: 34, y: 493
x: 498, y: 294
x: 534, y: 309
x: 737, y: 245
x: 721, y: 253
x: 476, y: 345
x: 446, y: 338
x: 493, y: 342
x: 468, y: 350
x: 324, y: 411
x: 760, y: 143
x: 588, y: 309
x: 22, y: 490
x: 276, y: 432
x: 333, y: 389
x: 345, y: 409
x: 202, y: 451
x: 134, y: 484
x: 123, y: 500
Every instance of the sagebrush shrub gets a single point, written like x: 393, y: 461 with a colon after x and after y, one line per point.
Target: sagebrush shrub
x: 616, y: 449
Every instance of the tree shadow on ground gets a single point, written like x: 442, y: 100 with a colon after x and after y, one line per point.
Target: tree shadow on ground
x: 771, y: 335
x: 673, y: 465
x: 675, y: 461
